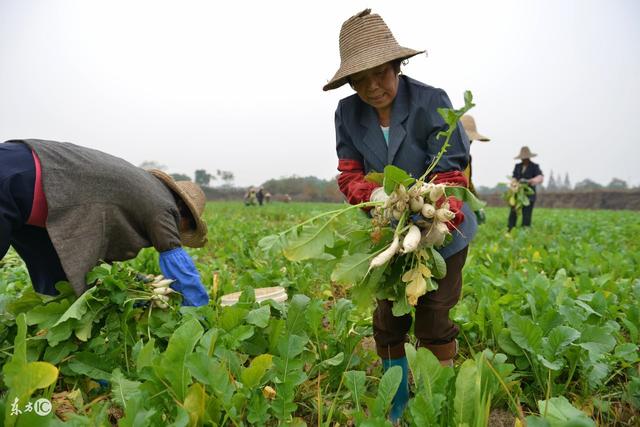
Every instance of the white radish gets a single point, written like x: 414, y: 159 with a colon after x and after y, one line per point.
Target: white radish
x: 428, y: 211
x: 160, y: 304
x: 162, y: 283
x: 444, y: 215
x: 383, y: 257
x: 416, y: 203
x: 436, y: 235
x: 163, y: 291
x: 412, y: 239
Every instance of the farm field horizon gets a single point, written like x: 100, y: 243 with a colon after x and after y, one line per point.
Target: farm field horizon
x: 549, y: 320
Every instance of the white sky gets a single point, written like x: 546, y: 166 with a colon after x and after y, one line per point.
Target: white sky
x: 238, y: 85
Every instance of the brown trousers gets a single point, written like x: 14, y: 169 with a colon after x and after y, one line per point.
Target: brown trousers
x: 433, y: 328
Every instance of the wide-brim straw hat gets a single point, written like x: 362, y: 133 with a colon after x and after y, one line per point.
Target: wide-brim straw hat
x: 525, y: 153
x: 192, y: 196
x: 469, y: 125
x: 366, y: 42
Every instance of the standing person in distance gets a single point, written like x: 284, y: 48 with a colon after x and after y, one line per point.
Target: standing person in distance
x: 526, y: 172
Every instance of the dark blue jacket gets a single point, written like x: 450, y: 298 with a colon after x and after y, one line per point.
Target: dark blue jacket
x: 531, y: 171
x: 414, y: 126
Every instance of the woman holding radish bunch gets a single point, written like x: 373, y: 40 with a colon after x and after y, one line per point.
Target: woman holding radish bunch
x: 393, y: 120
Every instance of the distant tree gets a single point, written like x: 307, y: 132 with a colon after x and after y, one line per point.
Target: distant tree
x: 152, y: 164
x: 226, y: 177
x: 551, y: 184
x: 566, y: 184
x: 587, y: 184
x: 180, y: 177
x: 202, y: 177
x: 618, y: 184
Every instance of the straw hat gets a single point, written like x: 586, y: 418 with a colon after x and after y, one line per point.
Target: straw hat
x: 366, y: 42
x: 525, y: 153
x: 469, y: 125
x: 192, y: 196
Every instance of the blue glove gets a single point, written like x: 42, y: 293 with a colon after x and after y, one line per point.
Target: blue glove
x: 176, y: 264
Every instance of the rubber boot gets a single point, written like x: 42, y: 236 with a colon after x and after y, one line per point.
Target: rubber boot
x: 401, y: 398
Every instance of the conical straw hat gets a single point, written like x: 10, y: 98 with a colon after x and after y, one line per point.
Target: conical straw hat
x: 525, y: 153
x: 366, y: 42
x: 469, y: 125
x: 192, y: 196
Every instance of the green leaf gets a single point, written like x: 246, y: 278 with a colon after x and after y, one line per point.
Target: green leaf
x: 194, y: 404
x: 375, y: 177
x: 507, y: 344
x: 146, y: 355
x: 351, y: 269
x: 559, y: 411
x: 426, y: 411
x: 292, y: 346
x: 45, y: 316
x: 597, y: 340
x: 559, y: 339
x: 173, y: 363
x: 272, y: 243
x: 296, y: 314
x: 430, y: 377
x: 394, y: 176
x: 466, y: 196
x: 252, y: 375
x: 78, y: 308
x: 525, y: 333
x: 122, y: 388
x: 464, y: 400
x: 23, y: 378
x: 354, y: 381
x: 310, y: 242
x: 439, y: 264
x: 333, y: 361
x: 259, y: 316
x: 387, y: 390
x: 54, y: 355
x: 628, y: 352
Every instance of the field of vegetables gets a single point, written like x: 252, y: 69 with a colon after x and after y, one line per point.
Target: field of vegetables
x: 549, y: 316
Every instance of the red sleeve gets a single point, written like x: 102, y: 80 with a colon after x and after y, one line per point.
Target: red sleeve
x: 352, y: 183
x: 452, y: 178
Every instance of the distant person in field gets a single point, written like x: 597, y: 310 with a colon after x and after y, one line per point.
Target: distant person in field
x: 392, y: 119
x: 260, y: 195
x: 528, y: 172
x: 65, y: 208
x: 267, y: 197
x: 469, y: 125
x: 286, y: 198
x: 250, y: 198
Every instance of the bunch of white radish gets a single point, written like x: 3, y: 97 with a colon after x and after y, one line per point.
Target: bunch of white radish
x: 421, y: 223
x: 420, y: 219
x: 160, y: 291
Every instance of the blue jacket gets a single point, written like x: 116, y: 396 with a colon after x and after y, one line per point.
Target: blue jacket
x: 414, y: 126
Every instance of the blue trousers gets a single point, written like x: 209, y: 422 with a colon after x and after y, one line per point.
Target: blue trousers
x: 17, y: 179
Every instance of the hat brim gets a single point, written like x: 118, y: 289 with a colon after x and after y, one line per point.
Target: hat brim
x: 365, y: 61
x: 520, y: 157
x: 475, y: 136
x: 192, y: 238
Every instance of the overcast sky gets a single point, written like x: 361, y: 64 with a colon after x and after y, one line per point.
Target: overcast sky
x: 238, y: 85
